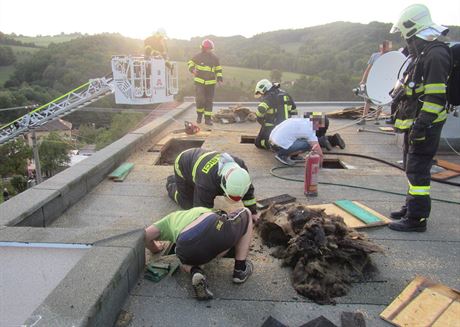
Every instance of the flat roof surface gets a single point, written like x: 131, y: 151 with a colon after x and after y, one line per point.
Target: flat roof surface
x: 142, y: 199
x: 29, y: 274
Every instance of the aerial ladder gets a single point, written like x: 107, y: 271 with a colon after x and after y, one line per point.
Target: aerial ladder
x: 134, y: 81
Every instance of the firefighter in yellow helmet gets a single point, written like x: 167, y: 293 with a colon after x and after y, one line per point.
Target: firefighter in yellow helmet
x: 207, y: 72
x: 201, y: 175
x: 423, y: 113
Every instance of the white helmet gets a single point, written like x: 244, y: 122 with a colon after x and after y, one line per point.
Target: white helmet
x: 262, y: 86
x: 416, y: 19
x: 235, y: 181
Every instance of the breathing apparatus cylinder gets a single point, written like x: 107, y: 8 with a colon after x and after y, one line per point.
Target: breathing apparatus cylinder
x: 312, y: 162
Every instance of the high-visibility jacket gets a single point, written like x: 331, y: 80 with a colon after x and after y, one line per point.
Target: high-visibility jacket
x: 208, y: 68
x: 425, y: 89
x: 276, y: 106
x: 199, y: 167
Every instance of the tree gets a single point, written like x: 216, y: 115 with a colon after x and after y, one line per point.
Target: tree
x: 54, y: 154
x: 13, y: 158
x: 7, y: 56
x: 19, y: 183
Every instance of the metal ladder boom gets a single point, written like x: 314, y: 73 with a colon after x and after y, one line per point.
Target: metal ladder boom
x: 63, y: 105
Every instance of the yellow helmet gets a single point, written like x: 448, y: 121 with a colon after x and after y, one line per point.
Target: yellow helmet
x: 415, y: 19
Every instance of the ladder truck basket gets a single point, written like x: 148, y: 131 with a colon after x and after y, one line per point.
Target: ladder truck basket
x: 141, y: 80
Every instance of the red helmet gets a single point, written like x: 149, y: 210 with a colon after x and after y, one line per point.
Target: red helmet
x: 207, y: 44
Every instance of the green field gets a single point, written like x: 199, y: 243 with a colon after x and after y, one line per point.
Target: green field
x: 44, y: 41
x: 245, y: 75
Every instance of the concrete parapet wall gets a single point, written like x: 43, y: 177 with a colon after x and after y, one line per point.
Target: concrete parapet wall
x: 41, y: 205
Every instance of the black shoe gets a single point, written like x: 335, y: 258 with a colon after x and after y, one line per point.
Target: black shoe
x: 399, y: 214
x: 390, y: 121
x: 284, y: 160
x: 199, y: 118
x: 297, y: 158
x: 408, y: 225
x: 200, y: 286
x: 240, y: 276
x: 325, y: 143
x: 340, y: 142
x: 208, y: 121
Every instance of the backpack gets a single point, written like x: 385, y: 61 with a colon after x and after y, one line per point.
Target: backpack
x: 453, y: 83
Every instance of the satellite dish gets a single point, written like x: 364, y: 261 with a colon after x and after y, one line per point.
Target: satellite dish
x: 383, y: 76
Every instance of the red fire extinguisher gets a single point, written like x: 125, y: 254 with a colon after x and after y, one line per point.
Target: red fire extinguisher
x: 312, y: 163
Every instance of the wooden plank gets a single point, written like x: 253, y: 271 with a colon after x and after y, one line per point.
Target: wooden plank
x: 359, y: 212
x: 448, y: 165
x: 450, y: 317
x: 402, y: 299
x: 387, y: 129
x: 423, y: 310
x: 446, y: 174
x: 350, y: 220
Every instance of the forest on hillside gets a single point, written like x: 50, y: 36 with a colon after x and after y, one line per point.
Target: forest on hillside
x: 330, y: 59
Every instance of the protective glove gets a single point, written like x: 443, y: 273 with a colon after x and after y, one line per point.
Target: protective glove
x: 417, y: 135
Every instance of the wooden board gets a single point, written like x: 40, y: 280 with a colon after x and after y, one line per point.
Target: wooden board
x: 423, y: 310
x: 448, y: 165
x: 450, y: 317
x: 362, y: 214
x: 446, y: 174
x: 424, y: 303
x: 387, y: 129
x: 350, y: 220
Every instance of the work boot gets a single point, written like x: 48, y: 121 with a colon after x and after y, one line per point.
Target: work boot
x: 336, y: 140
x: 399, y: 214
x: 284, y: 160
x: 208, y: 121
x: 200, y: 286
x: 324, y: 143
x: 390, y: 121
x: 199, y: 118
x: 409, y: 225
x: 240, y: 276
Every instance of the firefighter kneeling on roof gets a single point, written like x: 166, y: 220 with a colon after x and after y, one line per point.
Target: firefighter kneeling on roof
x: 201, y: 175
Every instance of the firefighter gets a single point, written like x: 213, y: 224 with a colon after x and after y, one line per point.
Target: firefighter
x: 207, y: 72
x: 423, y: 114
x: 202, y: 235
x: 155, y: 45
x: 201, y: 175
x: 276, y: 106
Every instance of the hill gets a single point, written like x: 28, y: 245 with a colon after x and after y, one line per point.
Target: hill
x: 326, y: 61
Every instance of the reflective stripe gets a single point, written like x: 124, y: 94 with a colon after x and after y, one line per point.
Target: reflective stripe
x: 258, y: 113
x: 176, y: 164
x: 200, y: 110
x: 195, y: 166
x: 218, y: 68
x: 204, y: 68
x: 262, y: 142
x: 420, y: 89
x: 419, y: 190
x: 286, y: 107
x: 437, y: 88
x: 441, y: 116
x: 190, y: 64
x: 175, y: 196
x: 249, y: 202
x: 219, y: 75
x: 202, y: 81
x: 263, y: 105
x: 208, y: 113
x: 269, y: 124
x: 432, y: 107
x: 403, y: 124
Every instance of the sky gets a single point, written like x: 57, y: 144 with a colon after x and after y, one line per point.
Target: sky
x: 186, y: 19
